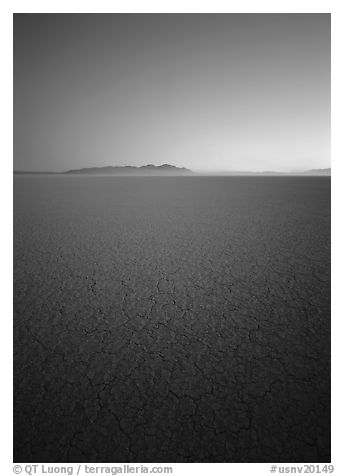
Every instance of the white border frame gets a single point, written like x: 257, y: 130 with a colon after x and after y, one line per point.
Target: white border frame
x: 6, y: 190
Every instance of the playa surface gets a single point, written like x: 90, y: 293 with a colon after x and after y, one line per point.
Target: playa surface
x: 182, y: 319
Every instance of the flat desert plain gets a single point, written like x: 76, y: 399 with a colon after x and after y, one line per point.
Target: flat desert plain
x: 171, y: 319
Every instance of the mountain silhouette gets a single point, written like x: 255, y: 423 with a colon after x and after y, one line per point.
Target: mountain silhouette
x: 150, y: 169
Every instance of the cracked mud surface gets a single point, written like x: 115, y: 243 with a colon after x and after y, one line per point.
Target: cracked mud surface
x: 172, y: 319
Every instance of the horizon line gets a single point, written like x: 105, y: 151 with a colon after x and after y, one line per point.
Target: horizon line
x: 194, y: 172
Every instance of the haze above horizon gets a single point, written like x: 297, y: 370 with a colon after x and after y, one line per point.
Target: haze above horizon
x: 209, y: 92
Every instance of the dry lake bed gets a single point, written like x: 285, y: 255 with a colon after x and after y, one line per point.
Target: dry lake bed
x: 171, y: 319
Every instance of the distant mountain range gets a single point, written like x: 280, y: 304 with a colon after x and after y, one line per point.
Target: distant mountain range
x: 273, y: 172
x: 150, y: 169
x: 318, y: 172
x: 166, y: 170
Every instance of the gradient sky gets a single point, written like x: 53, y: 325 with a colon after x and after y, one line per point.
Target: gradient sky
x: 211, y: 92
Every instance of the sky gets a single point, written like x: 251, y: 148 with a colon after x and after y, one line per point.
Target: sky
x: 210, y: 92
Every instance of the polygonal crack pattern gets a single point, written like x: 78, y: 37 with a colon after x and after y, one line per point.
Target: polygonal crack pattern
x: 172, y: 319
